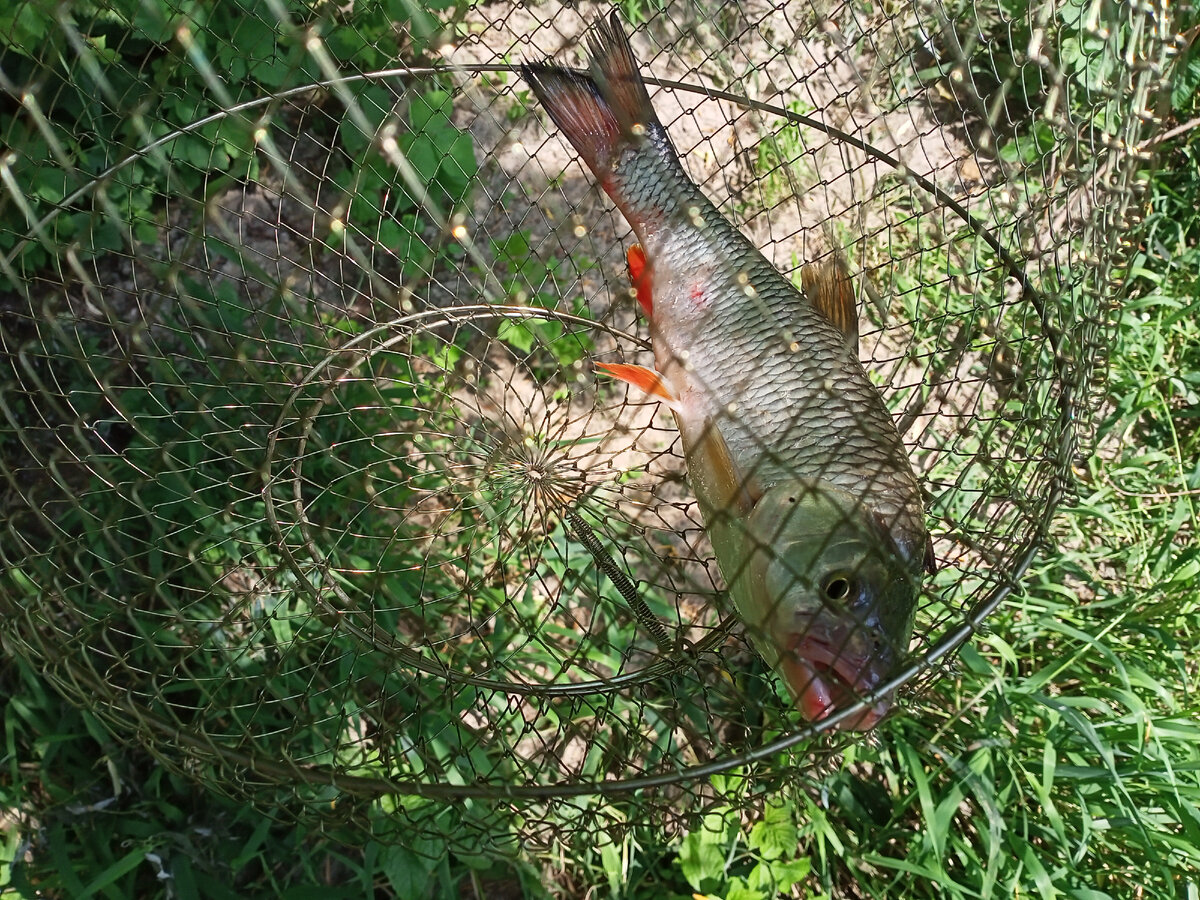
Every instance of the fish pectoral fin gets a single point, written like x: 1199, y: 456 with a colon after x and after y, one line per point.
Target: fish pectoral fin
x: 709, y: 459
x: 931, y: 565
x: 640, y: 377
x: 639, y: 275
x: 827, y: 286
x: 887, y: 527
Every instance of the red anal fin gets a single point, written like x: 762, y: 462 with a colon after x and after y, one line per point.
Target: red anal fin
x: 640, y: 377
x: 639, y: 275
x: 827, y: 286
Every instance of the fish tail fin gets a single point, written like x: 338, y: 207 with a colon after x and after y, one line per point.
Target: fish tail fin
x: 606, y: 112
x: 615, y: 70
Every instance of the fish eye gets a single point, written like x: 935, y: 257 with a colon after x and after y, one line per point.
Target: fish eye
x: 836, y: 587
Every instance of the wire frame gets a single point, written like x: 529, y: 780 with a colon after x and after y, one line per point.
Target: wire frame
x: 309, y: 484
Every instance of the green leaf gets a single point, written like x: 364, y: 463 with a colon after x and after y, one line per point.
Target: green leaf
x: 517, y: 334
x: 702, y: 852
x: 425, y: 156
x: 776, y: 835
x: 408, y: 867
x: 374, y: 103
x: 739, y: 890
x: 610, y: 858
x: 430, y: 113
x: 348, y: 45
x: 778, y: 877
x: 323, y: 892
x: 24, y: 26
x: 113, y: 873
x: 459, y: 166
x: 253, y: 44
x: 1185, y: 83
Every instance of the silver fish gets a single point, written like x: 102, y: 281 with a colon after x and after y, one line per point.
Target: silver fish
x: 814, y: 512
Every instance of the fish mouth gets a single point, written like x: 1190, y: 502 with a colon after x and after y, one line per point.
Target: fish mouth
x: 829, y: 676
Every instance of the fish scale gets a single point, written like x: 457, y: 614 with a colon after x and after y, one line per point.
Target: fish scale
x: 813, y: 510
x: 814, y: 408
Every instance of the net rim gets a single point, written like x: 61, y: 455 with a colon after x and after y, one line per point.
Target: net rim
x: 947, y: 644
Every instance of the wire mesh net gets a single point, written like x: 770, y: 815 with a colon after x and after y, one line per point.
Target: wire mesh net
x: 311, y: 485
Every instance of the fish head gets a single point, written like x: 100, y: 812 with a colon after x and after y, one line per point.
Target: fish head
x: 832, y: 596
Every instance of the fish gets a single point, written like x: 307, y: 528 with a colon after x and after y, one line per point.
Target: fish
x: 815, y: 514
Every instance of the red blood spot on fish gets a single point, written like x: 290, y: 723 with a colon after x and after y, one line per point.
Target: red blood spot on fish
x: 697, y: 294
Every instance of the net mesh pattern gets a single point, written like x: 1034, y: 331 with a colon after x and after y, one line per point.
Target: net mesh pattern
x: 309, y: 483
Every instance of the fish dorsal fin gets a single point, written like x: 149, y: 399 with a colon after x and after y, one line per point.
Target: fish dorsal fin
x: 827, y: 286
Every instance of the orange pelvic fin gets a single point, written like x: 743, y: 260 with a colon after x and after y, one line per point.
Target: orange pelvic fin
x: 827, y: 286
x: 709, y: 460
x: 640, y: 377
x: 639, y: 275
